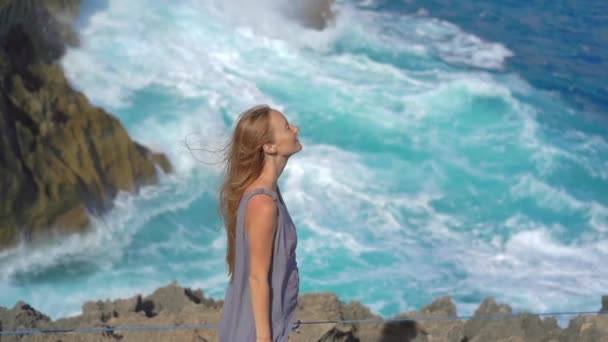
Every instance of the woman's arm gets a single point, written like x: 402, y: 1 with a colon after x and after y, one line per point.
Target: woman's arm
x: 261, y: 222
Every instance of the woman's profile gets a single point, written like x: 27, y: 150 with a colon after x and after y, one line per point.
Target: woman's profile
x: 261, y: 298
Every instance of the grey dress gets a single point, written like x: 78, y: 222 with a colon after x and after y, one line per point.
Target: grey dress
x: 237, y: 322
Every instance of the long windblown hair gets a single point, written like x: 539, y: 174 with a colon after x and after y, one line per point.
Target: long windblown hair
x: 244, y: 161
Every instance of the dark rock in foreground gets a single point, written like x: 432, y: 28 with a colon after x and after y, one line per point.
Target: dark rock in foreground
x: 174, y: 305
x: 61, y: 159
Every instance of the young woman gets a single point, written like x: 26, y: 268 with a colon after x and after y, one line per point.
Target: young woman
x: 261, y: 299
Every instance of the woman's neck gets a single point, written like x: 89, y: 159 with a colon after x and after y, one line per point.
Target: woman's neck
x: 273, y: 168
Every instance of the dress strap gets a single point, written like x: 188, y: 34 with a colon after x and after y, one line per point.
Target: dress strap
x: 257, y: 191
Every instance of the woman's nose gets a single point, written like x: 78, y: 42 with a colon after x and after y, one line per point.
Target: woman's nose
x: 297, y: 128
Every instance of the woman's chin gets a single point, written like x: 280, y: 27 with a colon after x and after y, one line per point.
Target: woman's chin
x: 296, y: 150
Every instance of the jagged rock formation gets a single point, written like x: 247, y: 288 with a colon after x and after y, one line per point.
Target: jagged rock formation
x: 174, y: 305
x: 61, y: 159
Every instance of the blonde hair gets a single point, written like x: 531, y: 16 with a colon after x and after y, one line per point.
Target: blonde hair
x: 244, y: 160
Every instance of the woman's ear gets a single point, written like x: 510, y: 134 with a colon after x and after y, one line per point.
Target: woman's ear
x: 269, y: 148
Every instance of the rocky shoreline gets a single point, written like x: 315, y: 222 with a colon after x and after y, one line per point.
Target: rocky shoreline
x: 173, y: 305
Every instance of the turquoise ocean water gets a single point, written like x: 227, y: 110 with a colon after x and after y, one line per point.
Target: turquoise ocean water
x: 430, y: 167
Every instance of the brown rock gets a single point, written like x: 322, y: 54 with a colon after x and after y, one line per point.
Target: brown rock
x: 494, y: 321
x: 190, y: 307
x: 193, y: 309
x: 48, y: 23
x: 487, y: 307
x: 315, y: 14
x: 325, y: 307
x: 443, y: 327
x: 173, y: 298
x: 61, y: 159
x: 586, y: 328
x: 21, y: 317
x: 442, y: 307
x: 430, y: 324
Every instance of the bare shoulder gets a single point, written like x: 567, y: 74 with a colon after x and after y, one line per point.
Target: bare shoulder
x: 261, y: 213
x: 261, y: 207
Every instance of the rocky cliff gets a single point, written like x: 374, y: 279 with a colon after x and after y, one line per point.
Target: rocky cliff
x: 61, y: 159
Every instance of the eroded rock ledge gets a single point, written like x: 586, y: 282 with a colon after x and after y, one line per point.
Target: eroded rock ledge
x: 175, y: 305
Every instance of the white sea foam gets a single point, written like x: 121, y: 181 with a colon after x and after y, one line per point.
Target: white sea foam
x: 533, y: 269
x: 420, y: 34
x: 559, y: 201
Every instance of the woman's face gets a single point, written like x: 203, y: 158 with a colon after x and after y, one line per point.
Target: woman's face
x: 286, y: 140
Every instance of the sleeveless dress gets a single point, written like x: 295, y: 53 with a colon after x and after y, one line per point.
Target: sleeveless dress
x: 237, y: 323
